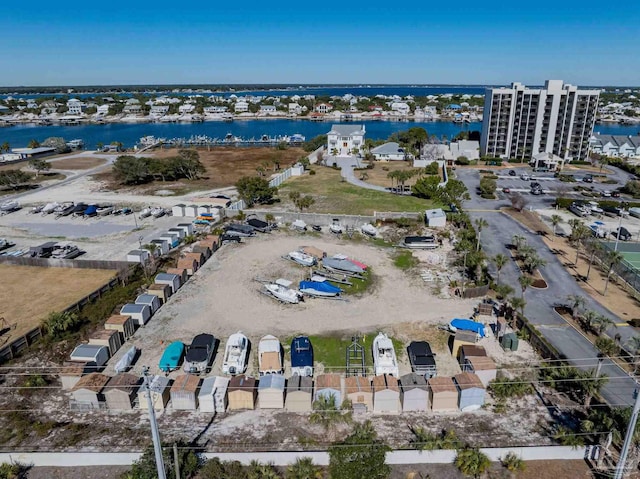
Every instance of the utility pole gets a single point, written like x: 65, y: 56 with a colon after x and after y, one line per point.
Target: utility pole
x: 615, y: 248
x: 464, y: 271
x: 155, y: 434
x: 176, y: 459
x: 628, y: 439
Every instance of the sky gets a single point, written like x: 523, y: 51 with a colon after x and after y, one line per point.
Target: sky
x: 92, y: 42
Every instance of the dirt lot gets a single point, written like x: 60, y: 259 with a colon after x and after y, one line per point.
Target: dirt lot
x: 29, y: 293
x: 77, y: 163
x: 378, y: 175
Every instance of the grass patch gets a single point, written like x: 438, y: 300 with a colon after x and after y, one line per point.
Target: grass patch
x: 358, y: 286
x: 405, y: 260
x: 382, y: 243
x: 334, y: 195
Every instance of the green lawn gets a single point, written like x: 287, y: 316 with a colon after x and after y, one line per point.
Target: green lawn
x: 331, y: 350
x: 333, y: 195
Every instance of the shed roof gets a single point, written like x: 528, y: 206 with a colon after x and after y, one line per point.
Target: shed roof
x: 133, y: 308
x: 435, y: 213
x: 441, y: 384
x: 300, y: 383
x: 242, y: 383
x: 390, y: 148
x: 157, y: 384
x: 104, y: 334
x: 118, y: 319
x: 332, y: 381
x: 94, y: 382
x: 124, y: 382
x: 272, y: 381
x: 480, y: 363
x: 166, y: 277
x: 385, y: 381
x: 197, y: 256
x: 468, y: 336
x: 187, y: 263
x: 357, y: 384
x: 470, y: 350
x: 186, y: 382
x: 178, y: 271
x: 413, y: 381
x: 468, y: 381
x: 146, y: 298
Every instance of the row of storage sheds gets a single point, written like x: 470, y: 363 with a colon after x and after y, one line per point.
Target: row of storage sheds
x: 193, y: 211
x: 474, y: 359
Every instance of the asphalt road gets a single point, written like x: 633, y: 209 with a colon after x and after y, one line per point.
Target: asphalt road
x: 539, y: 309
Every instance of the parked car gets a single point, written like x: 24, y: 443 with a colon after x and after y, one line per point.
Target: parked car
x: 525, y: 177
x: 611, y: 210
x: 588, y: 179
x: 623, y: 235
x: 199, y: 354
x: 606, y: 193
x: 512, y: 172
x: 506, y: 190
x: 615, y: 194
x: 578, y: 210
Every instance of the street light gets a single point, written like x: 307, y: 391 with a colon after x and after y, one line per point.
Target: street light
x: 155, y: 433
x: 622, y: 462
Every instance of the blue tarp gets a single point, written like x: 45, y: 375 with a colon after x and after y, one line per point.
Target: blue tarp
x: 171, y: 357
x: 91, y: 210
x: 322, y: 287
x: 468, y: 325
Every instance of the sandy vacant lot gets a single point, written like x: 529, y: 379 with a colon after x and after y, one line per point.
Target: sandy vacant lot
x: 223, y: 297
x: 29, y: 293
x: 77, y: 163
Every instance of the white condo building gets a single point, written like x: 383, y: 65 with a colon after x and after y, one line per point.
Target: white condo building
x: 519, y: 122
x: 344, y: 140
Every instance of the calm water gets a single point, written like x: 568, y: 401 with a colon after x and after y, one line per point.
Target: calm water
x: 130, y: 134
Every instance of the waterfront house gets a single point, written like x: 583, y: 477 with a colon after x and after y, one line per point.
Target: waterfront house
x: 616, y: 145
x: 267, y: 110
x: 323, y: 108
x: 400, y: 107
x: 159, y: 110
x: 102, y: 110
x: 241, y: 106
x: 75, y: 107
x: 342, y: 140
x: 390, y: 151
x: 294, y: 109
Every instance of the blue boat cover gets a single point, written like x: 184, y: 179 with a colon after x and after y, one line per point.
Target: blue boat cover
x: 171, y: 357
x: 324, y: 287
x: 301, y: 352
x: 91, y: 210
x: 468, y: 325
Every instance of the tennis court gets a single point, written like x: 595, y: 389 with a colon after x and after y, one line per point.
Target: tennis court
x: 629, y: 267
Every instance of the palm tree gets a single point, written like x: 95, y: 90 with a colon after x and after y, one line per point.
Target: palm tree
x: 576, y: 302
x: 591, y: 386
x: 578, y: 232
x: 595, y: 247
x: 480, y: 224
x: 555, y: 221
x: 601, y: 323
x: 327, y: 414
x: 471, y: 462
x: 613, y: 259
x: 567, y: 437
x: 532, y: 262
x: 525, y: 282
x: 588, y: 318
x: 303, y: 468
x: 518, y: 241
x: 33, y: 144
x: 513, y: 463
x: 518, y: 303
x: 499, y: 260
x: 633, y: 343
x: 5, y: 147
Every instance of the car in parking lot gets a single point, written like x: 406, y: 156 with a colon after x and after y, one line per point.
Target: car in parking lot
x: 587, y: 179
x: 605, y: 193
x: 525, y: 177
x: 506, y: 190
x: 512, y: 172
x: 615, y: 194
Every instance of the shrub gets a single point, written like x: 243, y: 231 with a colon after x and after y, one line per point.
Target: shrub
x: 312, y: 172
x: 462, y: 161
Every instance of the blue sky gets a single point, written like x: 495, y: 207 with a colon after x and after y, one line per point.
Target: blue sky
x: 414, y: 42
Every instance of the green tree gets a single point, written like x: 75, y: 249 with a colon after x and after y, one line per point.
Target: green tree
x: 5, y: 147
x: 500, y: 261
x: 555, y: 221
x: 56, y: 323
x: 131, y: 170
x: 471, y: 462
x: 426, y: 187
x: 58, y: 143
x: 39, y: 165
x: 488, y: 187
x: 613, y: 259
x: 576, y: 303
x: 214, y: 468
x: 423, y: 440
x: 453, y: 193
x: 513, y: 463
x: 188, y: 164
x: 607, y: 346
x: 314, y: 143
x: 33, y: 144
x: 326, y: 413
x: 508, y: 388
x: 257, y: 470
x: 532, y: 262
x: 360, y: 455
x: 518, y: 304
x: 566, y: 437
x: 601, y: 323
x: 503, y: 290
x: 593, y: 247
x: 524, y: 281
x: 301, y: 202
x: 518, y: 241
x: 14, y: 178
x: 255, y: 190
x: 13, y: 470
x: 480, y: 223
x: 303, y: 468
x: 145, y: 467
x: 633, y: 344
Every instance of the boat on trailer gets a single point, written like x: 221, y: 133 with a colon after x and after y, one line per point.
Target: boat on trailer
x: 319, y: 286
x: 270, y: 356
x: 301, y: 357
x: 384, y: 356
x: 280, y: 289
x: 302, y: 258
x: 342, y: 265
x: 369, y: 230
x: 235, y: 354
x: 420, y: 242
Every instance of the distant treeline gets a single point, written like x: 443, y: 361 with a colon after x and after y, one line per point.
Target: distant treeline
x: 132, y: 170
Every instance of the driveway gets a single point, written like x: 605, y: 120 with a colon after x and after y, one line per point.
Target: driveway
x: 346, y: 165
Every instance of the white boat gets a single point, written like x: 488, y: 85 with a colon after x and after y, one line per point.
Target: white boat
x: 157, y: 212
x: 104, y: 210
x: 145, y: 213
x: 36, y: 209
x: 9, y: 206
x: 369, y: 230
x: 302, y: 258
x: 280, y: 290
x: 336, y: 227
x: 299, y: 225
x: 270, y: 356
x: 49, y: 208
x: 384, y: 356
x: 66, y: 251
x: 235, y: 354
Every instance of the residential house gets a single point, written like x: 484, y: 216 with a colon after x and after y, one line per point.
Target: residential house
x: 75, y: 107
x: 343, y: 140
x: 400, y: 107
x: 187, y: 108
x: 323, y: 108
x: 294, y: 109
x: 466, y: 148
x: 266, y: 110
x: 616, y: 146
x: 241, y: 107
x: 159, y: 110
x: 102, y: 110
x: 390, y: 151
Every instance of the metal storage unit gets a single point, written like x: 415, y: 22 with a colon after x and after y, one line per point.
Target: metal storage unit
x: 162, y: 245
x: 471, y: 392
x: 138, y: 256
x: 271, y: 391
x: 159, y: 389
x: 206, y: 395
x: 121, y: 391
x: 358, y: 391
x: 107, y: 337
x: 124, y: 324
x: 443, y: 394
x: 87, y: 393
x: 220, y: 395
x: 299, y: 394
x: 85, y: 353
x: 140, y: 313
x: 470, y: 350
x: 242, y: 392
x: 150, y: 300
x: 162, y: 291
x: 177, y: 210
x: 187, y: 227
x: 329, y: 385
x: 182, y: 272
x: 184, y: 392
x: 414, y: 393
x: 483, y: 367
x: 190, y: 264
x: 203, y: 250
x: 181, y: 233
x: 191, y: 211
x: 172, y: 238
x: 386, y: 394
x: 172, y: 280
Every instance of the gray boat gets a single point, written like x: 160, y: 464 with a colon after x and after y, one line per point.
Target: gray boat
x: 342, y: 265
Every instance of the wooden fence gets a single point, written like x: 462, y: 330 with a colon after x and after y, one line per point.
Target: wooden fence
x: 66, y: 263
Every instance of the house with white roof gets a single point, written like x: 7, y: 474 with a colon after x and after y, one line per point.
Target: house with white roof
x: 267, y: 110
x: 400, y: 107
x: 75, y: 106
x: 343, y: 139
x: 294, y: 109
x: 470, y: 149
x: 241, y: 106
x: 102, y: 110
x: 390, y: 151
x: 159, y: 110
x: 186, y: 108
x: 547, y: 160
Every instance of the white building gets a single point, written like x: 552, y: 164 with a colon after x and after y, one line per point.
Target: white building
x: 616, y: 146
x: 388, y: 152
x: 103, y: 110
x: 267, y: 109
x: 75, y: 106
x: 241, y: 107
x: 548, y: 161
x: 470, y: 149
x: 519, y: 122
x: 294, y: 109
x: 159, y: 110
x: 342, y: 139
x: 400, y: 107
x: 323, y: 108
x: 186, y: 108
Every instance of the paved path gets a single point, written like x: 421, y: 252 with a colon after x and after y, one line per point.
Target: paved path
x: 346, y: 165
x: 539, y: 309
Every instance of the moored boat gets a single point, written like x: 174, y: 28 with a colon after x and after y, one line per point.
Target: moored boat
x: 270, y: 356
x: 384, y: 356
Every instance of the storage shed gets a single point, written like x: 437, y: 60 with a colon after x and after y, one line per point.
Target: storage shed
x: 204, y: 250
x: 172, y: 239
x: 187, y: 227
x: 72, y: 372
x: 190, y: 264
x: 471, y: 391
x: 461, y: 338
x: 358, y: 391
x: 122, y: 324
x: 160, y: 393
x: 150, y: 300
x: 140, y: 313
x: 199, y: 257
x: 414, y: 393
x: 482, y: 366
x: 242, y: 392
x: 177, y: 210
x: 138, y: 256
x: 435, y: 218
x: 213, y: 394
x: 313, y: 251
x: 86, y: 353
x: 121, y: 391
x: 107, y: 337
x: 184, y: 392
x: 162, y: 291
x: 184, y: 276
x: 212, y: 241
x: 181, y: 233
x: 191, y: 211
x: 172, y: 280
x: 299, y: 394
x: 87, y: 393
x: 271, y: 391
x: 443, y: 394
x: 386, y: 394
x: 328, y: 386
x: 470, y: 350
x: 161, y: 245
